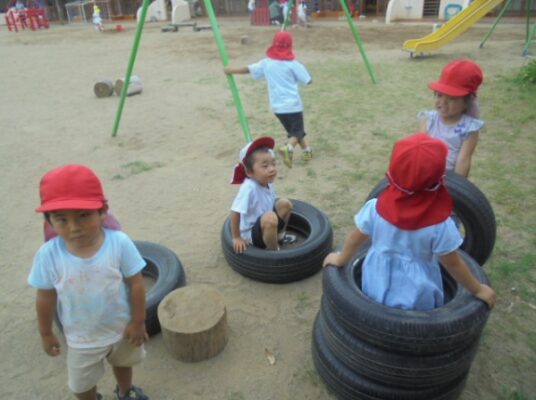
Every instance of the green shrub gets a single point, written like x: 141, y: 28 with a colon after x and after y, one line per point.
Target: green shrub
x: 527, y: 74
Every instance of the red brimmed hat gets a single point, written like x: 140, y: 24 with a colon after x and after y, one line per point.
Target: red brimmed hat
x: 71, y: 187
x: 416, y: 196
x: 239, y: 173
x: 281, y: 48
x: 458, y: 78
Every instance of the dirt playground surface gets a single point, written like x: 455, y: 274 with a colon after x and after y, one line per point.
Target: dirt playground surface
x: 166, y: 175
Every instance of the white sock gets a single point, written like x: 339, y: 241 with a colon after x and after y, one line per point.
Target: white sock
x: 307, y: 149
x: 290, y: 147
x: 281, y: 235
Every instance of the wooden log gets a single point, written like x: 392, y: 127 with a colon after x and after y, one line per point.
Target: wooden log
x: 134, y: 86
x: 194, y: 322
x: 104, y: 88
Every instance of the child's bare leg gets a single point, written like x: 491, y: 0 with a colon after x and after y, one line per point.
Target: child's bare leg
x: 269, y: 230
x: 293, y: 141
x: 303, y: 143
x: 91, y: 394
x: 123, y: 376
x: 283, y: 207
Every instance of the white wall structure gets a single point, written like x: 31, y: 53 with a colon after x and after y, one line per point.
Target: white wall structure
x: 412, y: 9
x: 155, y: 12
x: 403, y: 9
x: 181, y: 11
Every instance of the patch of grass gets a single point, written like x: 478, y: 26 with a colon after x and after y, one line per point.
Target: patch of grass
x: 515, y: 394
x: 235, y: 396
x: 137, y: 167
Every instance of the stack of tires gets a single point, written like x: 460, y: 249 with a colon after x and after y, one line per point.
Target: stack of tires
x: 365, y: 350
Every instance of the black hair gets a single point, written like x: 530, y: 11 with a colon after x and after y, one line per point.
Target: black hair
x: 248, y: 161
x: 47, y: 214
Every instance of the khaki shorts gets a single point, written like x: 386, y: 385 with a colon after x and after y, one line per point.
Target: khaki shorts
x: 85, y: 367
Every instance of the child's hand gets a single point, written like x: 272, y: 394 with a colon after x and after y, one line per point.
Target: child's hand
x: 135, y: 333
x: 486, y: 294
x: 51, y: 345
x: 239, y: 245
x: 332, y: 259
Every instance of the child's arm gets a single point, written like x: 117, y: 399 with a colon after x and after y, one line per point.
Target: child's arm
x: 423, y: 124
x: 45, y: 305
x: 459, y: 270
x: 239, y: 244
x: 463, y: 163
x: 236, y: 70
x: 353, y: 242
x: 135, y: 331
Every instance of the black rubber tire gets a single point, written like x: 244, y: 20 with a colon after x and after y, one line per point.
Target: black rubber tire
x: 473, y: 210
x: 458, y: 323
x: 391, y: 368
x: 286, y: 265
x: 349, y: 385
x: 166, y: 269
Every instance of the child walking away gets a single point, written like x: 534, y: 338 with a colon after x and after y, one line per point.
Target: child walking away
x: 97, y: 20
x: 91, y: 277
x: 411, y: 232
x: 256, y: 217
x: 283, y: 75
x: 455, y: 119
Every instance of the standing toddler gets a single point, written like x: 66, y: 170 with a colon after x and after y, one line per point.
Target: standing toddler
x: 91, y: 278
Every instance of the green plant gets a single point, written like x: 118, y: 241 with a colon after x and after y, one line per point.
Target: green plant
x: 527, y: 74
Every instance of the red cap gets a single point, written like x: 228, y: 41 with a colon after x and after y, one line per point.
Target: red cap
x: 281, y: 48
x: 416, y: 196
x: 71, y: 187
x: 239, y: 173
x: 458, y: 78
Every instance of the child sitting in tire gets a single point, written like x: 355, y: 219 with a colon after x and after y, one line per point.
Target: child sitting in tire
x: 256, y: 217
x: 92, y: 278
x: 411, y: 231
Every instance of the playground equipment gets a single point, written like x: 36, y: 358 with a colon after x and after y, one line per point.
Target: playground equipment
x: 452, y: 28
x: 32, y: 17
x: 530, y: 32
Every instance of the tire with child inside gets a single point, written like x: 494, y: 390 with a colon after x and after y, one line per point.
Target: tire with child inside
x: 255, y: 237
x: 411, y: 292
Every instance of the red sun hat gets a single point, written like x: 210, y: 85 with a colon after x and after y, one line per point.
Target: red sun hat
x: 458, y: 78
x: 416, y: 196
x: 239, y: 173
x: 71, y: 187
x: 281, y: 48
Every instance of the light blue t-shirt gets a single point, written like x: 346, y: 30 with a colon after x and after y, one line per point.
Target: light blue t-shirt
x: 93, y: 299
x: 251, y: 202
x: 454, y: 135
x: 283, y: 78
x: 401, y: 269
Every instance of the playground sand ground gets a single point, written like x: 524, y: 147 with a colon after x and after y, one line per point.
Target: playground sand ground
x: 167, y: 172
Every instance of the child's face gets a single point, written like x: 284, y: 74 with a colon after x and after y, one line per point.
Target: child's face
x: 79, y: 228
x: 263, y: 169
x: 450, y: 107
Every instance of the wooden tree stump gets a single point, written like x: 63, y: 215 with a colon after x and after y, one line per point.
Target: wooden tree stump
x: 194, y: 322
x: 104, y: 88
x: 134, y: 86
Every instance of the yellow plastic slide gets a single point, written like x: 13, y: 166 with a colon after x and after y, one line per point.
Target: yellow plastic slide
x: 453, y: 28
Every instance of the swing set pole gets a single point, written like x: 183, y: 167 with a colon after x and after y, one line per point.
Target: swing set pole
x: 289, y: 13
x: 357, y: 38
x: 495, y: 23
x: 225, y: 61
x: 130, y: 66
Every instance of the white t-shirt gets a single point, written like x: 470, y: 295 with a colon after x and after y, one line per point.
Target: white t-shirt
x: 93, y: 299
x: 283, y: 78
x: 252, y: 201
